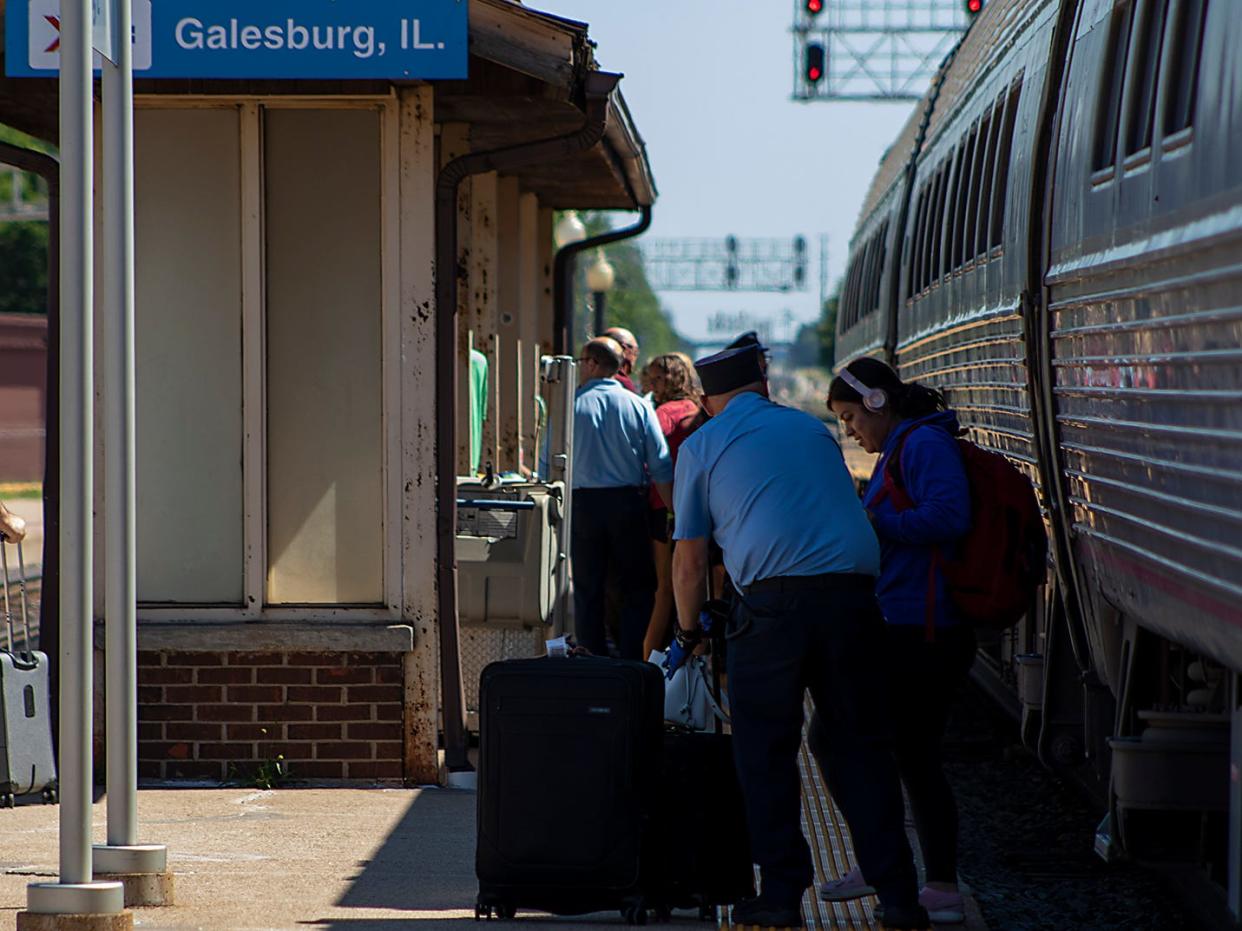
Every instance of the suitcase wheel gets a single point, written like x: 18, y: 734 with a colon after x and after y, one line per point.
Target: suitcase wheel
x: 8, y: 800
x: 635, y: 913
x: 50, y: 796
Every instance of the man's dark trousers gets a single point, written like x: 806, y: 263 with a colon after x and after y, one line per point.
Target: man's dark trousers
x: 610, y: 529
x: 825, y: 635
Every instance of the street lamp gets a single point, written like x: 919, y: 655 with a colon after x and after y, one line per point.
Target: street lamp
x: 568, y: 230
x: 600, y: 278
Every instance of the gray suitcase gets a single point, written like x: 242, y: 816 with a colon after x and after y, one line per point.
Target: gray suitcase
x: 27, y: 760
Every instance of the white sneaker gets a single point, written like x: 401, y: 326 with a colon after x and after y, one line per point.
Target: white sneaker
x: 850, y: 886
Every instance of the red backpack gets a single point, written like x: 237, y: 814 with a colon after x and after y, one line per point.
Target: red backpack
x: 1002, y: 559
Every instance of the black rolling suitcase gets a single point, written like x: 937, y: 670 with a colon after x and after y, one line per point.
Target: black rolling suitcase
x: 703, y: 845
x: 27, y: 763
x: 569, y: 770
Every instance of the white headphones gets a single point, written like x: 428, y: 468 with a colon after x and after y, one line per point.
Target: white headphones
x: 873, y: 399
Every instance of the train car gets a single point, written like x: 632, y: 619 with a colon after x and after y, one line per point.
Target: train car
x: 1055, y: 243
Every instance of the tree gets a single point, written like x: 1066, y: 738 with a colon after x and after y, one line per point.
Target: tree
x: 631, y: 303
x: 23, y: 268
x: 828, y: 329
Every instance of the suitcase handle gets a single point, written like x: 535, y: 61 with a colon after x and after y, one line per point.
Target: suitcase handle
x: 28, y: 655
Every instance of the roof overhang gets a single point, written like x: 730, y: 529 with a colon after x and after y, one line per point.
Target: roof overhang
x: 526, y: 75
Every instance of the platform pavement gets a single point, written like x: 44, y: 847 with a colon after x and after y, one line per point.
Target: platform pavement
x: 302, y: 859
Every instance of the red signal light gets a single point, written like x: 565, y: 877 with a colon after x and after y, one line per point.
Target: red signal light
x: 814, y: 7
x: 974, y: 6
x: 815, y: 62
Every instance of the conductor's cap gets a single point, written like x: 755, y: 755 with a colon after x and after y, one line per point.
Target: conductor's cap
x: 746, y: 340
x: 729, y: 370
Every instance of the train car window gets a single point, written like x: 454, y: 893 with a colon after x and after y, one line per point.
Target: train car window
x: 1184, y: 43
x: 934, y: 208
x: 965, y: 186
x: 912, y: 252
x: 943, y: 201
x: 882, y: 246
x: 1141, y: 105
x: 989, y: 129
x: 844, y: 309
x: 924, y: 245
x: 1000, y: 183
x: 1108, y: 107
x: 920, y: 230
x: 864, y: 279
x: 873, y: 275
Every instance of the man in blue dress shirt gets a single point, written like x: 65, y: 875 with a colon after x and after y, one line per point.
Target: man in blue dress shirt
x: 770, y: 485
x: 618, y: 449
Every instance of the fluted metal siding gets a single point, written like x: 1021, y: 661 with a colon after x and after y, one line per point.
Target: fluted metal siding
x: 1147, y: 355
x: 966, y: 334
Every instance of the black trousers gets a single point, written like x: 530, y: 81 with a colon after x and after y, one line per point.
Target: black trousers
x: 922, y: 679
x: 611, y: 533
x: 829, y: 641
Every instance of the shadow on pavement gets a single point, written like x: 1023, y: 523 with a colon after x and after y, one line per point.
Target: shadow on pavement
x: 426, y: 863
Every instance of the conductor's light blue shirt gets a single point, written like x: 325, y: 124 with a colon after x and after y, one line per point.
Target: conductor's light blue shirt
x: 617, y: 438
x: 770, y: 484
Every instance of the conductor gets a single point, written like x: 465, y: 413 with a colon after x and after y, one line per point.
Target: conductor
x: 770, y: 485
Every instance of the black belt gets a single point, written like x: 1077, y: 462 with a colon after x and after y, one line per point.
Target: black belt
x: 811, y: 583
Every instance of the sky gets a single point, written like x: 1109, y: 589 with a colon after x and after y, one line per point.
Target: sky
x: 708, y: 84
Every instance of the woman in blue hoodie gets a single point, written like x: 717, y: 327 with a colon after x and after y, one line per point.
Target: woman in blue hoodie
x: 918, y: 499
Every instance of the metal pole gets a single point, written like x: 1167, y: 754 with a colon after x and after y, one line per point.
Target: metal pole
x: 599, y: 297
x: 121, y: 595
x: 77, y: 262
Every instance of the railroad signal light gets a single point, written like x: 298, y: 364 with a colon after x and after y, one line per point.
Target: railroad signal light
x: 973, y: 7
x: 815, y: 57
x: 813, y: 7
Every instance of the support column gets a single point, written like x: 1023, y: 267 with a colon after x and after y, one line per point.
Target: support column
x: 529, y: 283
x: 454, y: 143
x: 418, y: 435
x: 75, y: 901
x: 141, y: 868
x: 508, y: 329
x: 483, y: 312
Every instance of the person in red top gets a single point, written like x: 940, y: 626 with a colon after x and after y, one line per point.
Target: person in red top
x: 675, y: 390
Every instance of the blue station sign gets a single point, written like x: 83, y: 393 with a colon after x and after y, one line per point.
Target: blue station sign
x: 335, y: 39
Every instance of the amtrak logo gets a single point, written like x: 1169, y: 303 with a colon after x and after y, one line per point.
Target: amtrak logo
x: 44, y: 40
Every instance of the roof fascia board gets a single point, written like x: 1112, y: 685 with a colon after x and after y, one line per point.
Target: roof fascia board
x: 545, y: 47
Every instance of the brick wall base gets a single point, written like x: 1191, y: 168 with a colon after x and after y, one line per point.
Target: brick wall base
x: 220, y: 716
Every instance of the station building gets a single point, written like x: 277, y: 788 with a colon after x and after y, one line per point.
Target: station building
x: 286, y: 316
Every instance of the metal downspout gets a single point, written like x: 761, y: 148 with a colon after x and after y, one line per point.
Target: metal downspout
x: 598, y: 86
x: 563, y: 279
x: 48, y: 168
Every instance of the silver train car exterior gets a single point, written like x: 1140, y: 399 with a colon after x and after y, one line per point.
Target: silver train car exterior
x: 1055, y: 239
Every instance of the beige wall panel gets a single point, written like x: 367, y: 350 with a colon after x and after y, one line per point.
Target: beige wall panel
x: 324, y: 389
x: 188, y: 356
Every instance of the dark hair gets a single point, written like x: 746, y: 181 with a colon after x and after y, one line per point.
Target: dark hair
x: 599, y: 350
x: 906, y: 399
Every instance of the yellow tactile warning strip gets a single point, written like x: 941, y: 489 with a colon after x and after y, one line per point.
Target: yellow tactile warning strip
x: 824, y: 826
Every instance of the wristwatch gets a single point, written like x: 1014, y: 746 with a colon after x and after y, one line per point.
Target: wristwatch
x: 687, y: 639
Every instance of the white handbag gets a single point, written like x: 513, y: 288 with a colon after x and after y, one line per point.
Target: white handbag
x: 688, y: 698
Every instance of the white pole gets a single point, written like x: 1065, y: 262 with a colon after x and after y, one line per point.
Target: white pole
x: 76, y: 894
x: 76, y: 374
x: 121, y: 595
